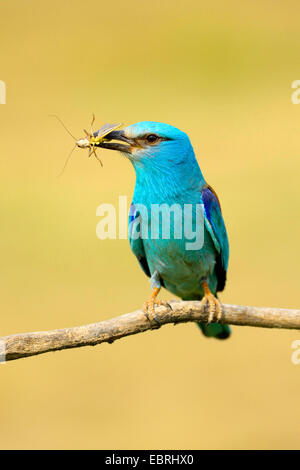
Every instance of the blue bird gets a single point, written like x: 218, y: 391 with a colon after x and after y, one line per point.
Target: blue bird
x: 167, y: 172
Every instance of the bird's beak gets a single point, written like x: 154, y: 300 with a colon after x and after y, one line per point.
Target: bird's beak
x: 119, y: 136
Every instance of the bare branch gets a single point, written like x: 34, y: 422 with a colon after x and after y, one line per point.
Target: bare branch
x: 30, y: 344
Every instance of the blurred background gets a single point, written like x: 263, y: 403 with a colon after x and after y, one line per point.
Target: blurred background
x: 222, y: 72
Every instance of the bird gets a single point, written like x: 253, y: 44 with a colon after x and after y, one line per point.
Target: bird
x: 167, y: 172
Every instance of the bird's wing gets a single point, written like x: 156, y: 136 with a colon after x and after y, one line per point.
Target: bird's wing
x: 215, y: 225
x: 136, y: 244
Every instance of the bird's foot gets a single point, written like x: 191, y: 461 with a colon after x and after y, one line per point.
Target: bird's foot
x: 214, y: 305
x: 149, y: 308
x: 214, y: 308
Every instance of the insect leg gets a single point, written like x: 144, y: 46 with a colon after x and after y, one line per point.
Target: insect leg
x: 92, y: 123
x: 96, y: 156
x: 87, y: 134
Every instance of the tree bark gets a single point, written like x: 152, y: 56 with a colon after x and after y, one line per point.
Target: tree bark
x: 30, y: 344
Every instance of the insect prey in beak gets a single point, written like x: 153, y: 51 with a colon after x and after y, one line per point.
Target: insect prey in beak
x: 91, y: 140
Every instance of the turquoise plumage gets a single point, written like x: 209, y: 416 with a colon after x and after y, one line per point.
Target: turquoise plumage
x: 167, y: 172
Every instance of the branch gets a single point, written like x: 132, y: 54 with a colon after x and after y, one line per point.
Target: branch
x: 30, y: 344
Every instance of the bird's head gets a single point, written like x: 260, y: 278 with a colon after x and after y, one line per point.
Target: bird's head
x: 152, y: 145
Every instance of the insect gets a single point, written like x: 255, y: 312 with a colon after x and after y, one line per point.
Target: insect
x: 92, y: 139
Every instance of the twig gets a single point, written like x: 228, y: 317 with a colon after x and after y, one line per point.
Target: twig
x: 30, y: 344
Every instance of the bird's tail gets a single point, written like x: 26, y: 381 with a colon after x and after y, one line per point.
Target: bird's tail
x: 215, y: 330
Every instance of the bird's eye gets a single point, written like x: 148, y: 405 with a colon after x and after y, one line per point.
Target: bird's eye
x: 152, y: 138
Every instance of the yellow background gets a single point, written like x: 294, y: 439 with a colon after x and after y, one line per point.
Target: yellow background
x: 222, y: 72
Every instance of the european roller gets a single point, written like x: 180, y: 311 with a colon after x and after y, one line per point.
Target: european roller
x: 167, y: 172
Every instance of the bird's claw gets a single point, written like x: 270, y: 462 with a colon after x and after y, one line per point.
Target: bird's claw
x: 149, y: 309
x: 165, y: 304
x: 214, y: 308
